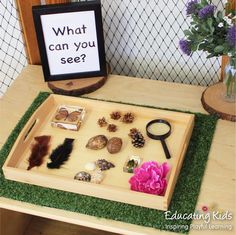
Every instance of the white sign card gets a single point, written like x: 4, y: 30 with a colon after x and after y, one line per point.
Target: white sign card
x: 70, y: 39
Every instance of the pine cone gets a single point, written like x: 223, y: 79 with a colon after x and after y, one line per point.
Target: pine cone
x: 115, y: 115
x: 104, y: 164
x: 112, y: 128
x: 128, y: 118
x: 102, y: 122
x: 138, y: 140
x: 133, y: 131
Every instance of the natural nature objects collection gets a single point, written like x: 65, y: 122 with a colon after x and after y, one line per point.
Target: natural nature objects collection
x: 148, y: 177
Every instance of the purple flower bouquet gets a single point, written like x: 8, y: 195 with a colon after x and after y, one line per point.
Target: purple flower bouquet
x: 215, y: 33
x: 210, y: 30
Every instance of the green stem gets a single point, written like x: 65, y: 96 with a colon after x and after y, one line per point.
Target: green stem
x: 228, y: 82
x: 232, y: 61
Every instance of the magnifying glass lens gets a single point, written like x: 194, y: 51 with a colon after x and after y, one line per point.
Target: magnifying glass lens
x: 158, y: 129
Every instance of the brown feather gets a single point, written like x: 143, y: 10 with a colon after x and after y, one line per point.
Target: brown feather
x: 38, y: 151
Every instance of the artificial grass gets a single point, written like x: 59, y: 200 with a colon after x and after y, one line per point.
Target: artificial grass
x: 183, y: 201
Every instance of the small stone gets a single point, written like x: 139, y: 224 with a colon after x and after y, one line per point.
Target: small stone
x: 97, y: 177
x: 69, y: 83
x: 114, y: 145
x: 83, y: 176
x: 90, y: 166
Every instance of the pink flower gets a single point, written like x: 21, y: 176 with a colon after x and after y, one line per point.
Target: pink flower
x: 150, y: 177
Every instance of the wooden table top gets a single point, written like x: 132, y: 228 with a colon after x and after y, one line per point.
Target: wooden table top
x: 218, y: 187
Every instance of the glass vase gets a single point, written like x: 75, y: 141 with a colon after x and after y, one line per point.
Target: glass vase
x: 230, y: 80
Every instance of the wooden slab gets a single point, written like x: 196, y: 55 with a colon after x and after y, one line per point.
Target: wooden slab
x: 214, y: 103
x: 76, y: 87
x: 115, y: 185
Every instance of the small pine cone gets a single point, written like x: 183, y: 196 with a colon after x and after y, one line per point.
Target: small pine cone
x: 102, y: 122
x: 115, y: 115
x: 128, y: 118
x: 138, y: 140
x: 132, y: 132
x: 112, y: 128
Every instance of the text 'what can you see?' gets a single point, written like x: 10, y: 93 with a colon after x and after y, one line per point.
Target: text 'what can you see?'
x: 67, y: 31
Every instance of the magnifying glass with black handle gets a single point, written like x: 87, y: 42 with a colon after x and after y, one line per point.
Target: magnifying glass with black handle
x: 159, y: 129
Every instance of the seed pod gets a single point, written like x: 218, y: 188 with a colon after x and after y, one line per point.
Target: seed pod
x: 112, y: 128
x: 97, y: 142
x: 128, y: 118
x: 115, y: 115
x: 102, y: 122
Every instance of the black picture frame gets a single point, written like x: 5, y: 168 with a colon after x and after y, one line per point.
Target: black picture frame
x: 74, y: 7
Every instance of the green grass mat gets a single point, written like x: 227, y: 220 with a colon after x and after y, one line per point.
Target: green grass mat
x: 183, y: 201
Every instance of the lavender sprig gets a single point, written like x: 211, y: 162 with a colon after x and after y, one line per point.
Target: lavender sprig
x: 231, y: 36
x: 206, y: 11
x: 185, y: 46
x: 191, y: 7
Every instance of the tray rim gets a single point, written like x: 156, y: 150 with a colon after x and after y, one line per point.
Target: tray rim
x: 89, y: 187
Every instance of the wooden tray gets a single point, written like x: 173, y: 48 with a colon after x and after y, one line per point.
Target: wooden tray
x: 115, y: 185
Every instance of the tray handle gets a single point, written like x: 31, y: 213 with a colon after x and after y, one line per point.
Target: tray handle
x: 30, y: 129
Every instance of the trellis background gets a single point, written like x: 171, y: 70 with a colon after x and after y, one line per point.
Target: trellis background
x: 141, y: 40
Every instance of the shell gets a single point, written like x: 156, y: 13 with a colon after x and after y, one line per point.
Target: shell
x: 90, y: 166
x: 97, y: 177
x: 114, y: 145
x: 97, y: 142
x: 104, y: 165
x: 83, y: 176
